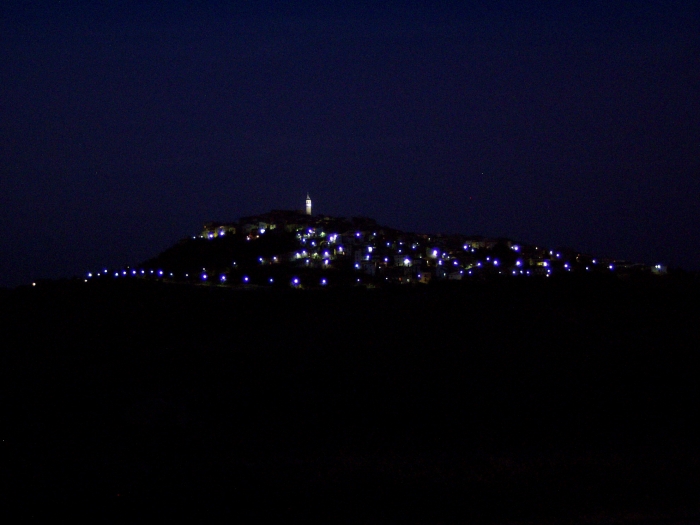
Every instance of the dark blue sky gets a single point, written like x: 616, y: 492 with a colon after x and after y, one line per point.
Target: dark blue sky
x: 125, y: 126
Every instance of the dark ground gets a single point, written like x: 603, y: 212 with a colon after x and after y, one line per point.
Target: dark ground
x: 505, y: 402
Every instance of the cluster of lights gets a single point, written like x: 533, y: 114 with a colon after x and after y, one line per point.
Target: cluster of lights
x: 440, y: 254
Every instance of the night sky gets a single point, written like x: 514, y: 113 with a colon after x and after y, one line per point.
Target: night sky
x: 124, y: 126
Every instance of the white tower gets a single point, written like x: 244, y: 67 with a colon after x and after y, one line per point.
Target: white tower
x: 308, y: 204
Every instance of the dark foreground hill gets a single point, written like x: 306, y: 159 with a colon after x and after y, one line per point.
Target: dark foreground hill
x: 499, y: 402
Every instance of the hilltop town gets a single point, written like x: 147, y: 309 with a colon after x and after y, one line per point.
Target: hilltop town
x: 299, y: 249
x: 249, y: 366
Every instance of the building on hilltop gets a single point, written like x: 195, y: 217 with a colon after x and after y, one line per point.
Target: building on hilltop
x: 308, y: 204
x: 217, y: 229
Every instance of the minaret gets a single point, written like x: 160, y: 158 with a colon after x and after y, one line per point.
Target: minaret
x: 308, y: 204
